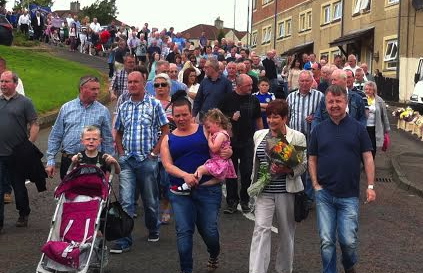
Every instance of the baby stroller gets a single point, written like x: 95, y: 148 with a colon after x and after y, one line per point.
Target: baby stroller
x: 74, y: 244
x: 103, y: 43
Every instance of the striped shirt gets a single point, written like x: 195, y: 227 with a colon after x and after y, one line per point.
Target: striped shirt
x: 73, y: 117
x: 119, y: 83
x: 140, y: 122
x: 301, y: 106
x: 277, y: 184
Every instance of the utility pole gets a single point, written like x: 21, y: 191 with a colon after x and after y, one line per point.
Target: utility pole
x: 275, y: 24
x: 233, y: 31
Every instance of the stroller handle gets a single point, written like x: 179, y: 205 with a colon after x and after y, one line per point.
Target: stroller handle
x: 74, y: 164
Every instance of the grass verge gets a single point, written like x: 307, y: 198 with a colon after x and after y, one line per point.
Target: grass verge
x: 49, y: 81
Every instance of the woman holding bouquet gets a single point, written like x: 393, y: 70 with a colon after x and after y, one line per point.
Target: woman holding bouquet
x: 276, y: 196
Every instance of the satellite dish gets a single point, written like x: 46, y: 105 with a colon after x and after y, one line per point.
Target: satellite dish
x: 417, y: 4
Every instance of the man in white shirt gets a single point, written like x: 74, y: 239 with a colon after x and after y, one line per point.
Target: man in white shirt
x: 95, y: 26
x: 352, y: 63
x: 24, y: 21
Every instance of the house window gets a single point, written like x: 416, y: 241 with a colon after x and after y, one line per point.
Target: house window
x: 265, y: 2
x: 326, y: 14
x: 288, y: 25
x: 302, y: 22
x: 254, y: 4
x: 267, y: 35
x: 254, y: 39
x: 391, y: 53
x: 281, y: 27
x: 390, y: 2
x: 309, y: 20
x: 361, y: 5
x: 337, y: 10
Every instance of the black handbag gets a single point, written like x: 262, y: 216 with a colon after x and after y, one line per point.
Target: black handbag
x: 118, y: 223
x: 301, y: 206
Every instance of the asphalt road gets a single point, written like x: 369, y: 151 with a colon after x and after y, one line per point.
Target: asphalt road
x: 391, y: 237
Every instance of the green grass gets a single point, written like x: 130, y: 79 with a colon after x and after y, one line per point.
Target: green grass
x: 49, y: 81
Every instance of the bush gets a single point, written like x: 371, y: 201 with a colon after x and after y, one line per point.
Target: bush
x: 20, y: 39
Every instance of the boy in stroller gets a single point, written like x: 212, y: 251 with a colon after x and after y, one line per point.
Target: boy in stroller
x: 91, y: 139
x: 76, y: 240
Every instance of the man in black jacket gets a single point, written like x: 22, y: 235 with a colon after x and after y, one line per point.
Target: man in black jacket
x: 271, y: 70
x: 37, y: 23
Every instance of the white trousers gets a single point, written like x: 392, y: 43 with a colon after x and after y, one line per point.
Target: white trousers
x: 83, y: 39
x: 282, y: 205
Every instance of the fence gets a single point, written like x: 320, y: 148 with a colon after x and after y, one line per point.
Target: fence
x: 388, y: 88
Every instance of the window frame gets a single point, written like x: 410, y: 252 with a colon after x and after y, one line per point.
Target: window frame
x: 388, y: 59
x: 326, y: 12
x: 334, y: 5
x: 361, y: 6
x: 266, y: 2
x: 309, y: 20
x: 280, y: 25
x: 254, y: 36
x: 288, y: 27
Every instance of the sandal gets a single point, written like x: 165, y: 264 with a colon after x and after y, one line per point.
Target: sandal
x: 165, y: 217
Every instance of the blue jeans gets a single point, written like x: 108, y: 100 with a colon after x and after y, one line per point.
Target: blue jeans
x: 337, y: 215
x: 200, y: 209
x: 144, y: 174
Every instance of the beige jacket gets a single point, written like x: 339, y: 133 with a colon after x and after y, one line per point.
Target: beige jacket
x: 293, y: 182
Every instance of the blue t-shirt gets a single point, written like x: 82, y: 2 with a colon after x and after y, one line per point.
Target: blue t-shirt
x: 188, y: 153
x: 339, y: 151
x: 264, y: 98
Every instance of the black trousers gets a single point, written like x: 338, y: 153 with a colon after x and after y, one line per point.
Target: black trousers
x: 372, y: 134
x: 65, y: 163
x: 242, y: 158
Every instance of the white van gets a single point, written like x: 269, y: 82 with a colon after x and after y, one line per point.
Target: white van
x: 416, y: 98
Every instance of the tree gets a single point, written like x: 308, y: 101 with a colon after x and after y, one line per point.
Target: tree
x: 105, y: 11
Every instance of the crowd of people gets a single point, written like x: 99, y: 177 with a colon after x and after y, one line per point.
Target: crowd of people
x: 177, y: 106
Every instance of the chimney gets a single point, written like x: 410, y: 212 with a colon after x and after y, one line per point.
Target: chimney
x: 218, y: 23
x: 75, y: 6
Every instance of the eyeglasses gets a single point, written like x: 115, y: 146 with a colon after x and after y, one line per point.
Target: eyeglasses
x: 173, y: 71
x: 162, y: 84
x: 84, y: 80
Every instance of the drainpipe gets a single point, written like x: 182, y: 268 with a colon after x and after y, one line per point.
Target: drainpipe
x: 275, y: 24
x: 399, y: 39
x: 248, y: 25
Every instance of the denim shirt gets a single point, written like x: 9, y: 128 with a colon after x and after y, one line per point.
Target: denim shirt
x: 355, y: 105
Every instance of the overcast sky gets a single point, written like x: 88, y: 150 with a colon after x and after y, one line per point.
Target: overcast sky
x: 181, y: 14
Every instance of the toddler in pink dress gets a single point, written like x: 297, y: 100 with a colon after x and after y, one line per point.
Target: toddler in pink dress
x: 216, y: 124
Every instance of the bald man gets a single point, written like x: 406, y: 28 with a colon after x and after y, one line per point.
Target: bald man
x: 244, y: 112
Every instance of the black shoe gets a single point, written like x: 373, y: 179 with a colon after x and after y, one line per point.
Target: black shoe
x: 231, y: 209
x: 212, y: 264
x: 245, y: 208
x: 22, y: 221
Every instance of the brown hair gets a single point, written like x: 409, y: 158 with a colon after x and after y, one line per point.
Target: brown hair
x: 277, y: 107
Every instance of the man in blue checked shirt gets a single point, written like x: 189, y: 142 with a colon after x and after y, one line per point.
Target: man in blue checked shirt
x: 138, y: 123
x: 74, y: 115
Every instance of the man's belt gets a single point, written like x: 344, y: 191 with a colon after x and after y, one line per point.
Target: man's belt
x: 64, y: 154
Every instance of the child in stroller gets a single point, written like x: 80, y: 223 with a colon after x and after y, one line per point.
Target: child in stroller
x: 91, y: 139
x: 76, y: 242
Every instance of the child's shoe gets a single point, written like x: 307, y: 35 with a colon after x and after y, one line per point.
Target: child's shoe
x: 178, y: 190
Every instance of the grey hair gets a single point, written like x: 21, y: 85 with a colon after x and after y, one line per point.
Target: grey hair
x: 336, y: 90
x: 164, y: 76
x: 372, y: 84
x: 307, y: 72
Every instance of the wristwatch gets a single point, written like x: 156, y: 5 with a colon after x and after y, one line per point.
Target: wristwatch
x: 153, y: 154
x: 371, y: 187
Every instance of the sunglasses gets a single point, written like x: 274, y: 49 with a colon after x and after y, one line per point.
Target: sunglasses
x: 84, y: 80
x: 162, y: 84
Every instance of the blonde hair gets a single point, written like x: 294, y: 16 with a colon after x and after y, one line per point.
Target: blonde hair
x: 90, y: 128
x: 215, y: 115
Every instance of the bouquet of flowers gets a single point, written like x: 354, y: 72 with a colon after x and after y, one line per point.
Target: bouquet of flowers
x: 280, y: 152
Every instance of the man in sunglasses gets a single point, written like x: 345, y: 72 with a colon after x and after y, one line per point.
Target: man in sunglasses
x: 73, y: 116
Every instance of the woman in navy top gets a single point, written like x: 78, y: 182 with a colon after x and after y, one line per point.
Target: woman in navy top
x: 182, y: 152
